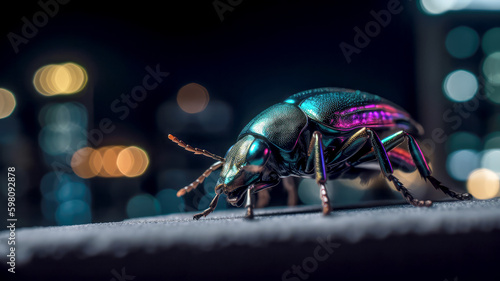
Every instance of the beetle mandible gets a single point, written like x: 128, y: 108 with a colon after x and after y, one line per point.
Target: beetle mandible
x: 325, y: 133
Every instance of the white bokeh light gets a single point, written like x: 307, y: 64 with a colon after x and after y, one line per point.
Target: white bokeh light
x: 461, y: 163
x: 491, y: 160
x: 460, y: 85
x: 437, y: 6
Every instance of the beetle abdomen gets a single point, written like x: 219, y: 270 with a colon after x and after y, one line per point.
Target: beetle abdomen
x: 280, y: 124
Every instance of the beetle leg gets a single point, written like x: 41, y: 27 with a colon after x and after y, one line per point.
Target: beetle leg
x: 249, y: 203
x: 200, y: 179
x: 425, y: 171
x: 419, y: 161
x: 386, y: 167
x: 210, y: 208
x: 389, y: 143
x: 319, y: 170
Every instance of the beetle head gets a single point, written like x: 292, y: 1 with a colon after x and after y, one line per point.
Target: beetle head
x: 246, y: 166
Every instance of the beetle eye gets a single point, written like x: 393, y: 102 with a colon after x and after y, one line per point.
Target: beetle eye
x: 258, y: 153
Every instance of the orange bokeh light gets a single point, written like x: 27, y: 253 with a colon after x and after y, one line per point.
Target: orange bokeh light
x: 193, y: 98
x: 110, y: 161
x: 132, y: 161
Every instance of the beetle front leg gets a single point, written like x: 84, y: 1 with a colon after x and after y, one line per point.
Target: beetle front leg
x: 249, y: 203
x: 316, y: 152
x: 210, y: 208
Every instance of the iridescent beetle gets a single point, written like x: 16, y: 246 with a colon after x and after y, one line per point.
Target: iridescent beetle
x: 326, y: 133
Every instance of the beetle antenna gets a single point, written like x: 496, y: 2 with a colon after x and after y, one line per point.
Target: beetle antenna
x: 195, y: 150
x: 200, y: 179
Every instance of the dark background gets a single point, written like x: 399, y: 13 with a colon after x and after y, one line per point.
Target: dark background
x: 260, y: 53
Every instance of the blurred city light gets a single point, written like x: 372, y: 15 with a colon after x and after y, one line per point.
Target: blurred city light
x: 63, y: 114
x: 435, y: 7
x: 66, y: 199
x: 60, y: 79
x: 73, y: 190
x: 193, y: 98
x: 483, y: 184
x: 86, y: 162
x: 460, y: 85
x: 461, y: 163
x: 463, y: 140
x: 110, y: 161
x: 169, y: 201
x: 54, y: 140
x: 73, y: 212
x: 462, y: 42
x: 491, y: 68
x: 491, y: 41
x: 143, y: 205
x: 493, y: 93
x: 7, y: 103
x: 491, y: 160
x: 132, y: 161
x: 492, y: 141
x: 64, y: 128
x: 48, y: 186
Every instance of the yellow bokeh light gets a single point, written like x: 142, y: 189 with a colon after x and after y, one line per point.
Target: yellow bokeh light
x: 7, y: 103
x: 60, y: 79
x: 193, y: 98
x: 132, y: 161
x: 483, y: 184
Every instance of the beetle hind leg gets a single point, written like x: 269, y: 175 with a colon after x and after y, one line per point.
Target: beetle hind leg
x: 419, y: 163
x: 386, y: 167
x: 425, y: 171
x: 407, y: 195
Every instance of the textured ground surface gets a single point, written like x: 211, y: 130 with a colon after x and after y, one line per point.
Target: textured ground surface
x: 395, y: 242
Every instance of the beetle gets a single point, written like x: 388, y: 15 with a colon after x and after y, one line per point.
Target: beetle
x: 325, y: 134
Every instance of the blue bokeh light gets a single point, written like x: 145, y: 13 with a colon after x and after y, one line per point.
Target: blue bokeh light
x: 143, y: 205
x: 169, y: 202
x: 73, y: 212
